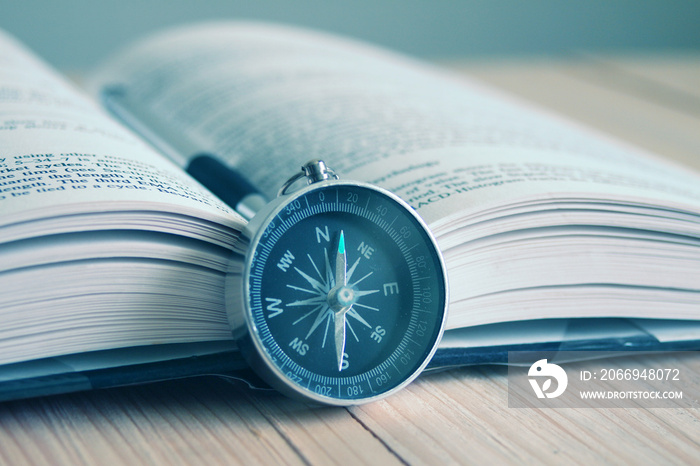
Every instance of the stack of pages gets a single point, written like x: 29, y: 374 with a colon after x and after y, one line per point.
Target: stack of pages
x: 114, y: 258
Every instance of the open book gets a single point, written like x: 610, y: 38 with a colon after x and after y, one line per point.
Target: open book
x: 113, y: 258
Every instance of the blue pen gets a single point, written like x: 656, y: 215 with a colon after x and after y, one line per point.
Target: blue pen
x: 222, y: 180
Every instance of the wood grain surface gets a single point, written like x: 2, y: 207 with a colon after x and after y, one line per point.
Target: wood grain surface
x: 459, y: 416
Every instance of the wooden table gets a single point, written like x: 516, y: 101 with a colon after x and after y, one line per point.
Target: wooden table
x: 458, y: 416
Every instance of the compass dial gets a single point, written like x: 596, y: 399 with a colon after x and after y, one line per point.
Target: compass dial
x: 345, y: 293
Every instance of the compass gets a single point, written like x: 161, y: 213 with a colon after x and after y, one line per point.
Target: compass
x: 343, y: 291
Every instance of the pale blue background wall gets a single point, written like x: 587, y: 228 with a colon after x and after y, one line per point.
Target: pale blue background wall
x: 74, y: 34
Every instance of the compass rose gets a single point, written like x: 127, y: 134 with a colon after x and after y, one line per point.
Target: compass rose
x: 332, y: 296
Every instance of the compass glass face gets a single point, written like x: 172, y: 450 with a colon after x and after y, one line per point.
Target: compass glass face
x: 346, y: 293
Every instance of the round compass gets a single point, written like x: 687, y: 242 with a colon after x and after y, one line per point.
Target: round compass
x: 343, y: 291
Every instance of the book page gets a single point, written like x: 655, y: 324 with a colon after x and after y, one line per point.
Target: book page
x: 536, y: 217
x: 269, y: 98
x: 60, y: 156
x: 104, y: 243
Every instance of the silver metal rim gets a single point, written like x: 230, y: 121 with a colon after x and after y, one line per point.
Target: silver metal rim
x: 284, y: 384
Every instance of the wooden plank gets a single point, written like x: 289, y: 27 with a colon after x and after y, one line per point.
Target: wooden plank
x: 461, y: 416
x: 574, y: 89
x: 673, y: 76
x: 203, y: 421
x: 321, y: 434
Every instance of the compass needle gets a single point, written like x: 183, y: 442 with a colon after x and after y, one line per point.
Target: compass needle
x: 340, y: 266
x: 339, y: 320
x: 340, y: 299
